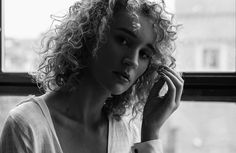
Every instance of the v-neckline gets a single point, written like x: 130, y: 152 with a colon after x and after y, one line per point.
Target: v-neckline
x: 41, y: 102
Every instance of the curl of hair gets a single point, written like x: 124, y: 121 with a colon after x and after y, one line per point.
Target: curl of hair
x: 67, y: 48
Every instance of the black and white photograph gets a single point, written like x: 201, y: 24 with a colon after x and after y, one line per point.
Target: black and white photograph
x: 118, y: 76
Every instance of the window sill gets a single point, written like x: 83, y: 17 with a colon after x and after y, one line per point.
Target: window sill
x: 198, y: 86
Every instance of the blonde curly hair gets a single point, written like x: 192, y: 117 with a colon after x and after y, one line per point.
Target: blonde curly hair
x: 67, y: 48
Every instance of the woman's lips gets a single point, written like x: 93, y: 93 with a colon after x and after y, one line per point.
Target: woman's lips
x: 122, y: 77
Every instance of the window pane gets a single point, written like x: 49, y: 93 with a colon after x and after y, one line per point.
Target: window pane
x: 207, y: 38
x: 24, y: 22
x: 196, y: 127
x: 206, y: 41
x: 201, y: 127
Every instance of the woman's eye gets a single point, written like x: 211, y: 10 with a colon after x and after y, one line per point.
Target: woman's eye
x: 122, y: 40
x: 144, y: 55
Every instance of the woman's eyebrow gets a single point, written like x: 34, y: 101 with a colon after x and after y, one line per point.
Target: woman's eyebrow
x: 150, y: 46
x: 127, y: 31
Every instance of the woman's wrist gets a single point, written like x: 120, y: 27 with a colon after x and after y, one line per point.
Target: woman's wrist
x: 149, y: 133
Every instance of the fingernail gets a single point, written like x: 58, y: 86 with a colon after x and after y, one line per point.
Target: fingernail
x: 161, y: 69
x: 165, y: 67
x: 162, y: 73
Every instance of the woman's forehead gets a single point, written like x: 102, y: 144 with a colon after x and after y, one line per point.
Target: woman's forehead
x: 135, y: 22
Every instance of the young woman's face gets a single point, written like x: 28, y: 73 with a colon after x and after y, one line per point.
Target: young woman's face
x: 125, y: 55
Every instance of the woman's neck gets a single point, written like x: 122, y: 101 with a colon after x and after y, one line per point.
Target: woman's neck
x: 84, y: 104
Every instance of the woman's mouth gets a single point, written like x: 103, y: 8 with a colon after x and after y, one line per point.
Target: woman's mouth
x: 124, y: 77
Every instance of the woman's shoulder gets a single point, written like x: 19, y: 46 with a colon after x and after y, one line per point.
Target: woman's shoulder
x: 28, y: 113
x: 27, y: 128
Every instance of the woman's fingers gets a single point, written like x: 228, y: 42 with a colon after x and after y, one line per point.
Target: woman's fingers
x: 157, y: 87
x: 177, y: 81
x: 174, y: 72
x: 171, y: 88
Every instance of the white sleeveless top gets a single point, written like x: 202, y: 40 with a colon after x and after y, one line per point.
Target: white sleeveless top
x: 29, y: 129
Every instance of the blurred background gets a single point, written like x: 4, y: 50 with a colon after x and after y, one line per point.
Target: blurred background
x: 206, y: 43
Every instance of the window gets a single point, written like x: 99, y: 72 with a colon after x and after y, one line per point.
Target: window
x: 205, y: 53
x: 211, y: 58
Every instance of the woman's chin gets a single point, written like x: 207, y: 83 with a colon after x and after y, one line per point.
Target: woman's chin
x: 118, y: 90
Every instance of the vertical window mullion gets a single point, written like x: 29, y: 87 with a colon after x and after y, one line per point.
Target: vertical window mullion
x: 1, y: 36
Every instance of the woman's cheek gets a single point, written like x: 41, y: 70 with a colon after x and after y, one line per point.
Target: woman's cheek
x: 141, y: 70
x: 144, y: 66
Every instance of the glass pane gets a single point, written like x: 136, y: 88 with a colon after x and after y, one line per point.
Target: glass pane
x: 201, y: 127
x: 24, y: 22
x: 196, y: 127
x: 207, y: 39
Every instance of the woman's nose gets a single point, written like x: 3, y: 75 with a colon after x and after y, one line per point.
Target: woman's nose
x: 132, y: 59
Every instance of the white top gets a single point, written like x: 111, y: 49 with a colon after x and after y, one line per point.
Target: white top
x: 29, y: 129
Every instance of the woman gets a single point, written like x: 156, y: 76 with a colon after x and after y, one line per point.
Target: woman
x: 106, y: 57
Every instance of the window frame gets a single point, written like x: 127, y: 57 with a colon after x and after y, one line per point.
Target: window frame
x: 198, y: 87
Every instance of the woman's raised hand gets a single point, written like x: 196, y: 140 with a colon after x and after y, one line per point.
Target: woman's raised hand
x: 157, y: 108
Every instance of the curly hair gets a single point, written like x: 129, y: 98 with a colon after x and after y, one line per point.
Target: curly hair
x: 67, y: 48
